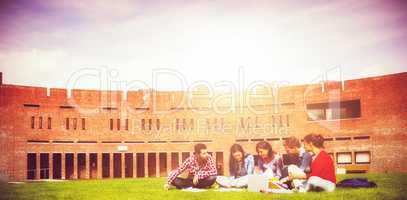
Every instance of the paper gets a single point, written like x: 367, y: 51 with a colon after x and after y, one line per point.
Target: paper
x: 280, y: 191
x: 191, y: 189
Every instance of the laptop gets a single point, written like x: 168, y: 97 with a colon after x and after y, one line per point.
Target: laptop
x: 257, y: 182
x: 260, y: 182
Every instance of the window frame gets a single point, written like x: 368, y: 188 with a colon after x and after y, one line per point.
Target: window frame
x: 370, y: 157
x: 344, y: 163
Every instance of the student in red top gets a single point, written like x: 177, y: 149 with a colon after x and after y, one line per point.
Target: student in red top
x: 322, y: 175
x: 200, y: 168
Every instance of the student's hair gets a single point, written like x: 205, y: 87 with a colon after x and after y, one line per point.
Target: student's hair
x: 315, y: 139
x: 233, y: 164
x: 265, y: 145
x: 292, y: 142
x: 198, y: 147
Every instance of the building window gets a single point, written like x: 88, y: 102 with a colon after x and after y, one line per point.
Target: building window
x: 351, y: 109
x: 184, y: 122
x: 49, y: 123
x: 158, y: 124
x: 143, y: 124
x: 75, y: 123
x: 67, y: 123
x: 362, y: 157
x: 32, y: 122
x: 83, y: 124
x: 150, y: 124
x: 177, y: 124
x: 366, y: 137
x: 126, y: 124
x: 256, y: 122
x: 315, y: 113
x: 191, y: 124
x: 274, y: 121
x: 118, y: 124
x: 111, y: 124
x: 342, y: 138
x: 281, y: 121
x: 344, y: 158
x: 334, y: 110
x: 287, y: 120
x: 40, y: 122
x: 215, y: 124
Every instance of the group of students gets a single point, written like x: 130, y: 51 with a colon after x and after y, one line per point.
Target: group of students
x: 311, y: 167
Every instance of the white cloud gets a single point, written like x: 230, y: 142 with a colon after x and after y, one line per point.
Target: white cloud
x: 208, y: 41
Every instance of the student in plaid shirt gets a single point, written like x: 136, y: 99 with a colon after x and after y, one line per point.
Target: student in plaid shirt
x: 200, y: 167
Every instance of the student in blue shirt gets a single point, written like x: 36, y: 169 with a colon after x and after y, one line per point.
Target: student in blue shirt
x: 293, y: 148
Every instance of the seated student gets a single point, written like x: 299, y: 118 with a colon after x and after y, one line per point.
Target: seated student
x: 241, y: 164
x: 322, y: 175
x: 293, y: 148
x: 269, y: 163
x: 297, y: 161
x: 200, y: 167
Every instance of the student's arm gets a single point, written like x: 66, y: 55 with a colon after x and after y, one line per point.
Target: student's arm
x: 250, y: 164
x: 279, y: 167
x: 297, y: 176
x: 231, y: 172
x: 257, y: 170
x: 306, y: 174
x: 208, y: 170
x: 179, y: 170
x: 306, y: 161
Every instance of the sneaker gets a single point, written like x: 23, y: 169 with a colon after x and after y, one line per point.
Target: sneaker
x: 168, y: 186
x: 301, y: 189
x: 316, y: 189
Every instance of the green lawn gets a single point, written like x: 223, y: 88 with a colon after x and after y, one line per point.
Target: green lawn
x: 390, y: 186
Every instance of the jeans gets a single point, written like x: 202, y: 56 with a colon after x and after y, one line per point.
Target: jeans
x: 317, y: 182
x: 226, y: 181
x: 181, y: 183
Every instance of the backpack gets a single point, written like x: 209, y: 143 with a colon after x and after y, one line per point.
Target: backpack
x: 356, y: 183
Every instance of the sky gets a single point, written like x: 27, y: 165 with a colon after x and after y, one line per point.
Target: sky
x: 169, y: 44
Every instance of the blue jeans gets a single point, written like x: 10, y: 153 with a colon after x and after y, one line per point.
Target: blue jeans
x: 182, y: 183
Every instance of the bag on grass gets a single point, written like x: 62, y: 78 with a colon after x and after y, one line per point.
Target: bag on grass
x: 356, y: 183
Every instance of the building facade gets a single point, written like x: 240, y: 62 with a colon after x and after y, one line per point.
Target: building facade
x: 89, y: 134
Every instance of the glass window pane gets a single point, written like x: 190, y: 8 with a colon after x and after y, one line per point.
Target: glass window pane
x: 344, y: 158
x: 362, y: 157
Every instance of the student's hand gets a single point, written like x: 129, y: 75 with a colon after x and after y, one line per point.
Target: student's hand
x: 166, y: 186
x: 296, y: 176
x: 195, y: 180
x: 256, y: 170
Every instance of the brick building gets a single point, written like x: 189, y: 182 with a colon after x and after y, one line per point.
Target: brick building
x: 79, y: 134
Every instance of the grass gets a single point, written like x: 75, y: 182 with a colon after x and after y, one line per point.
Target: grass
x: 390, y: 186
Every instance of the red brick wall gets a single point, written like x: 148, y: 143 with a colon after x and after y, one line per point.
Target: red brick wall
x: 383, y: 119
